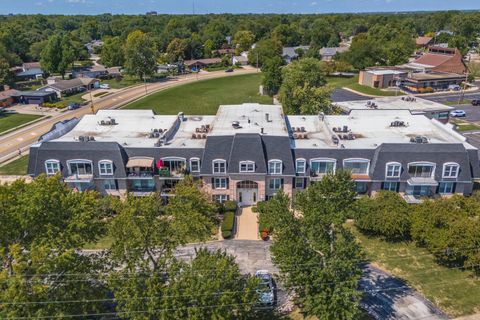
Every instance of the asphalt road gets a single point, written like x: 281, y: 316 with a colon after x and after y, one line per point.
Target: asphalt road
x: 472, y: 112
x: 24, y: 137
x: 386, y: 297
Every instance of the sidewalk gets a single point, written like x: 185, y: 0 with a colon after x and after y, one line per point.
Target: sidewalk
x: 247, y: 225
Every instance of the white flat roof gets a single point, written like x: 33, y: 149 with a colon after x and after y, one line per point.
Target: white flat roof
x: 251, y: 118
x: 417, y: 105
x: 384, y: 72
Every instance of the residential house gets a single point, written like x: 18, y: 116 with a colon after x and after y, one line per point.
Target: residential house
x: 68, y: 87
x: 37, y: 97
x: 30, y: 71
x: 195, y: 65
x: 96, y: 71
x: 328, y: 53
x: 423, y: 42
x: 7, y: 97
x: 291, y: 53
x: 250, y: 152
x: 240, y: 60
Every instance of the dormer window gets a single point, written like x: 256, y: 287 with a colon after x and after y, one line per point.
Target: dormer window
x: 219, y: 166
x: 393, y: 170
x: 105, y: 167
x: 275, y: 167
x: 247, y: 166
x: 194, y: 165
x: 356, y: 166
x: 300, y: 165
x: 451, y: 170
x: 52, y: 167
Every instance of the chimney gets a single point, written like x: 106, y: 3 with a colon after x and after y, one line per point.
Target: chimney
x: 267, y: 117
x: 261, y: 130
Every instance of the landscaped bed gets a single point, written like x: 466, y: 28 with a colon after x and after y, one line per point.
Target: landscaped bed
x: 205, y: 96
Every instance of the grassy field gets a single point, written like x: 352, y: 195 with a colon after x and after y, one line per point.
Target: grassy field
x: 456, y: 102
x: 204, y: 97
x: 15, y: 168
x: 352, y: 83
x: 455, y: 291
x: 463, y: 126
x: 126, y: 81
x: 11, y: 120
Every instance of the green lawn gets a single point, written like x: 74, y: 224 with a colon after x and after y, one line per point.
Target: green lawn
x: 352, y: 83
x: 463, y: 126
x: 11, y: 120
x: 456, y: 102
x: 126, y: 81
x: 455, y: 291
x: 340, y: 82
x: 15, y: 168
x: 204, y: 97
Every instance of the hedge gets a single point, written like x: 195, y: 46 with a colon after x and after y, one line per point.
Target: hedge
x: 227, y: 224
x: 230, y: 206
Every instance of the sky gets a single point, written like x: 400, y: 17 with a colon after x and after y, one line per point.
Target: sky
x: 231, y: 6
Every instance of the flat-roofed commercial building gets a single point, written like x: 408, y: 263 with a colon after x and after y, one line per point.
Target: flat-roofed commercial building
x: 249, y: 152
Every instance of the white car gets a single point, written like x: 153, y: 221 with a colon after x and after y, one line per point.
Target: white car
x: 266, y: 288
x: 104, y: 86
x: 458, y: 113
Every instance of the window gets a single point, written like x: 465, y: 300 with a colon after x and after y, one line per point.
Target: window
x: 446, y: 187
x: 80, y: 167
x: 450, y: 170
x: 220, y: 183
x: 275, y: 184
x: 299, y: 183
x: 421, y: 170
x: 361, y: 187
x: 356, y: 166
x: 394, y: 170
x: 194, y: 165
x: 221, y: 198
x: 300, y: 165
x: 247, y: 166
x: 219, y: 166
x: 442, y: 115
x: 110, y: 184
x: 105, y: 167
x: 275, y: 167
x: 418, y: 191
x: 390, y: 186
x: 322, y: 166
x: 52, y: 167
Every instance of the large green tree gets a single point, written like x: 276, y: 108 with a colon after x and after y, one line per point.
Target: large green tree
x: 112, y: 53
x: 264, y: 50
x: 42, y: 224
x: 272, y: 75
x: 58, y: 55
x: 140, y: 55
x: 319, y: 260
x: 303, y: 90
x: 243, y: 40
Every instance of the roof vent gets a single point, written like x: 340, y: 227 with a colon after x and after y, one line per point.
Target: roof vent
x: 236, y: 125
x: 419, y: 139
x: 398, y: 124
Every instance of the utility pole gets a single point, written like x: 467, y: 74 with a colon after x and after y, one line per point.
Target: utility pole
x: 257, y: 59
x: 91, y: 102
x: 145, y: 82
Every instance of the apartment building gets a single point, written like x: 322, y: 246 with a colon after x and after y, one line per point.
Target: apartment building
x: 249, y: 152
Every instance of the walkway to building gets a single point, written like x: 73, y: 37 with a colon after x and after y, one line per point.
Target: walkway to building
x: 247, y: 224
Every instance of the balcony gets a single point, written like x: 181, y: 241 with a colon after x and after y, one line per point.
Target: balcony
x: 140, y: 173
x: 79, y: 178
x: 140, y: 168
x: 172, y: 168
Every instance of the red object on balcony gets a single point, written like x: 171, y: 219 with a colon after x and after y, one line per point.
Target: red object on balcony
x: 159, y: 164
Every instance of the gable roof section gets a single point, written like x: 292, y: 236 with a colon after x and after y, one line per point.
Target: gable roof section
x: 279, y: 148
x: 216, y: 147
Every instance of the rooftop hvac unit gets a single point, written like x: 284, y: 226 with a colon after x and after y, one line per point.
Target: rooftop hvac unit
x: 303, y: 129
x: 102, y: 123
x: 335, y: 139
x: 81, y: 139
x: 91, y: 138
x: 194, y: 136
x: 345, y: 128
x: 112, y: 121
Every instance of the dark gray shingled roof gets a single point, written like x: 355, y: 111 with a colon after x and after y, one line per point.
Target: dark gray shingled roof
x: 279, y: 148
x: 247, y: 147
x: 216, y: 147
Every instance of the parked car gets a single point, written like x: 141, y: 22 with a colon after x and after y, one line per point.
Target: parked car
x: 266, y: 288
x: 458, y: 113
x: 476, y: 102
x: 73, y: 106
x: 454, y: 87
x: 229, y: 70
x: 104, y: 86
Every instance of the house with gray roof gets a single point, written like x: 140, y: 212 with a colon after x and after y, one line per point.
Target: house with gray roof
x: 290, y: 54
x: 249, y: 152
x: 68, y: 87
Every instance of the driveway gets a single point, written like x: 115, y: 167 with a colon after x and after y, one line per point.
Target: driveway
x: 247, y: 224
x: 386, y: 297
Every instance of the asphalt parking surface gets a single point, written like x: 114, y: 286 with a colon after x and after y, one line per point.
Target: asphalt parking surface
x: 472, y: 112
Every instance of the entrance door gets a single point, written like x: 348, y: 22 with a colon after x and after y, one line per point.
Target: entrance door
x: 247, y: 193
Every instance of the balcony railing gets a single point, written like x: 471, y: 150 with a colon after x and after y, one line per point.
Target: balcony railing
x: 165, y: 172
x: 140, y: 174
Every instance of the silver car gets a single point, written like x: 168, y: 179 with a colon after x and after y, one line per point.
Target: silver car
x: 266, y: 288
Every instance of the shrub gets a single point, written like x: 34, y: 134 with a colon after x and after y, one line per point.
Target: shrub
x: 227, y: 224
x: 386, y: 214
x: 230, y: 206
x: 255, y: 209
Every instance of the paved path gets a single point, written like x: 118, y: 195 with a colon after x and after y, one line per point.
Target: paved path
x: 247, y: 225
x: 24, y: 137
x: 386, y: 297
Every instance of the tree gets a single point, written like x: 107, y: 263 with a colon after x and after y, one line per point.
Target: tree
x: 140, y: 55
x: 287, y: 35
x: 6, y: 75
x: 387, y: 214
x: 226, y: 295
x: 325, y: 283
x: 243, y: 40
x: 264, y: 50
x: 35, y: 50
x: 57, y: 55
x: 112, y: 53
x: 303, y: 88
x: 272, y: 75
x: 42, y: 224
x: 176, y: 50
